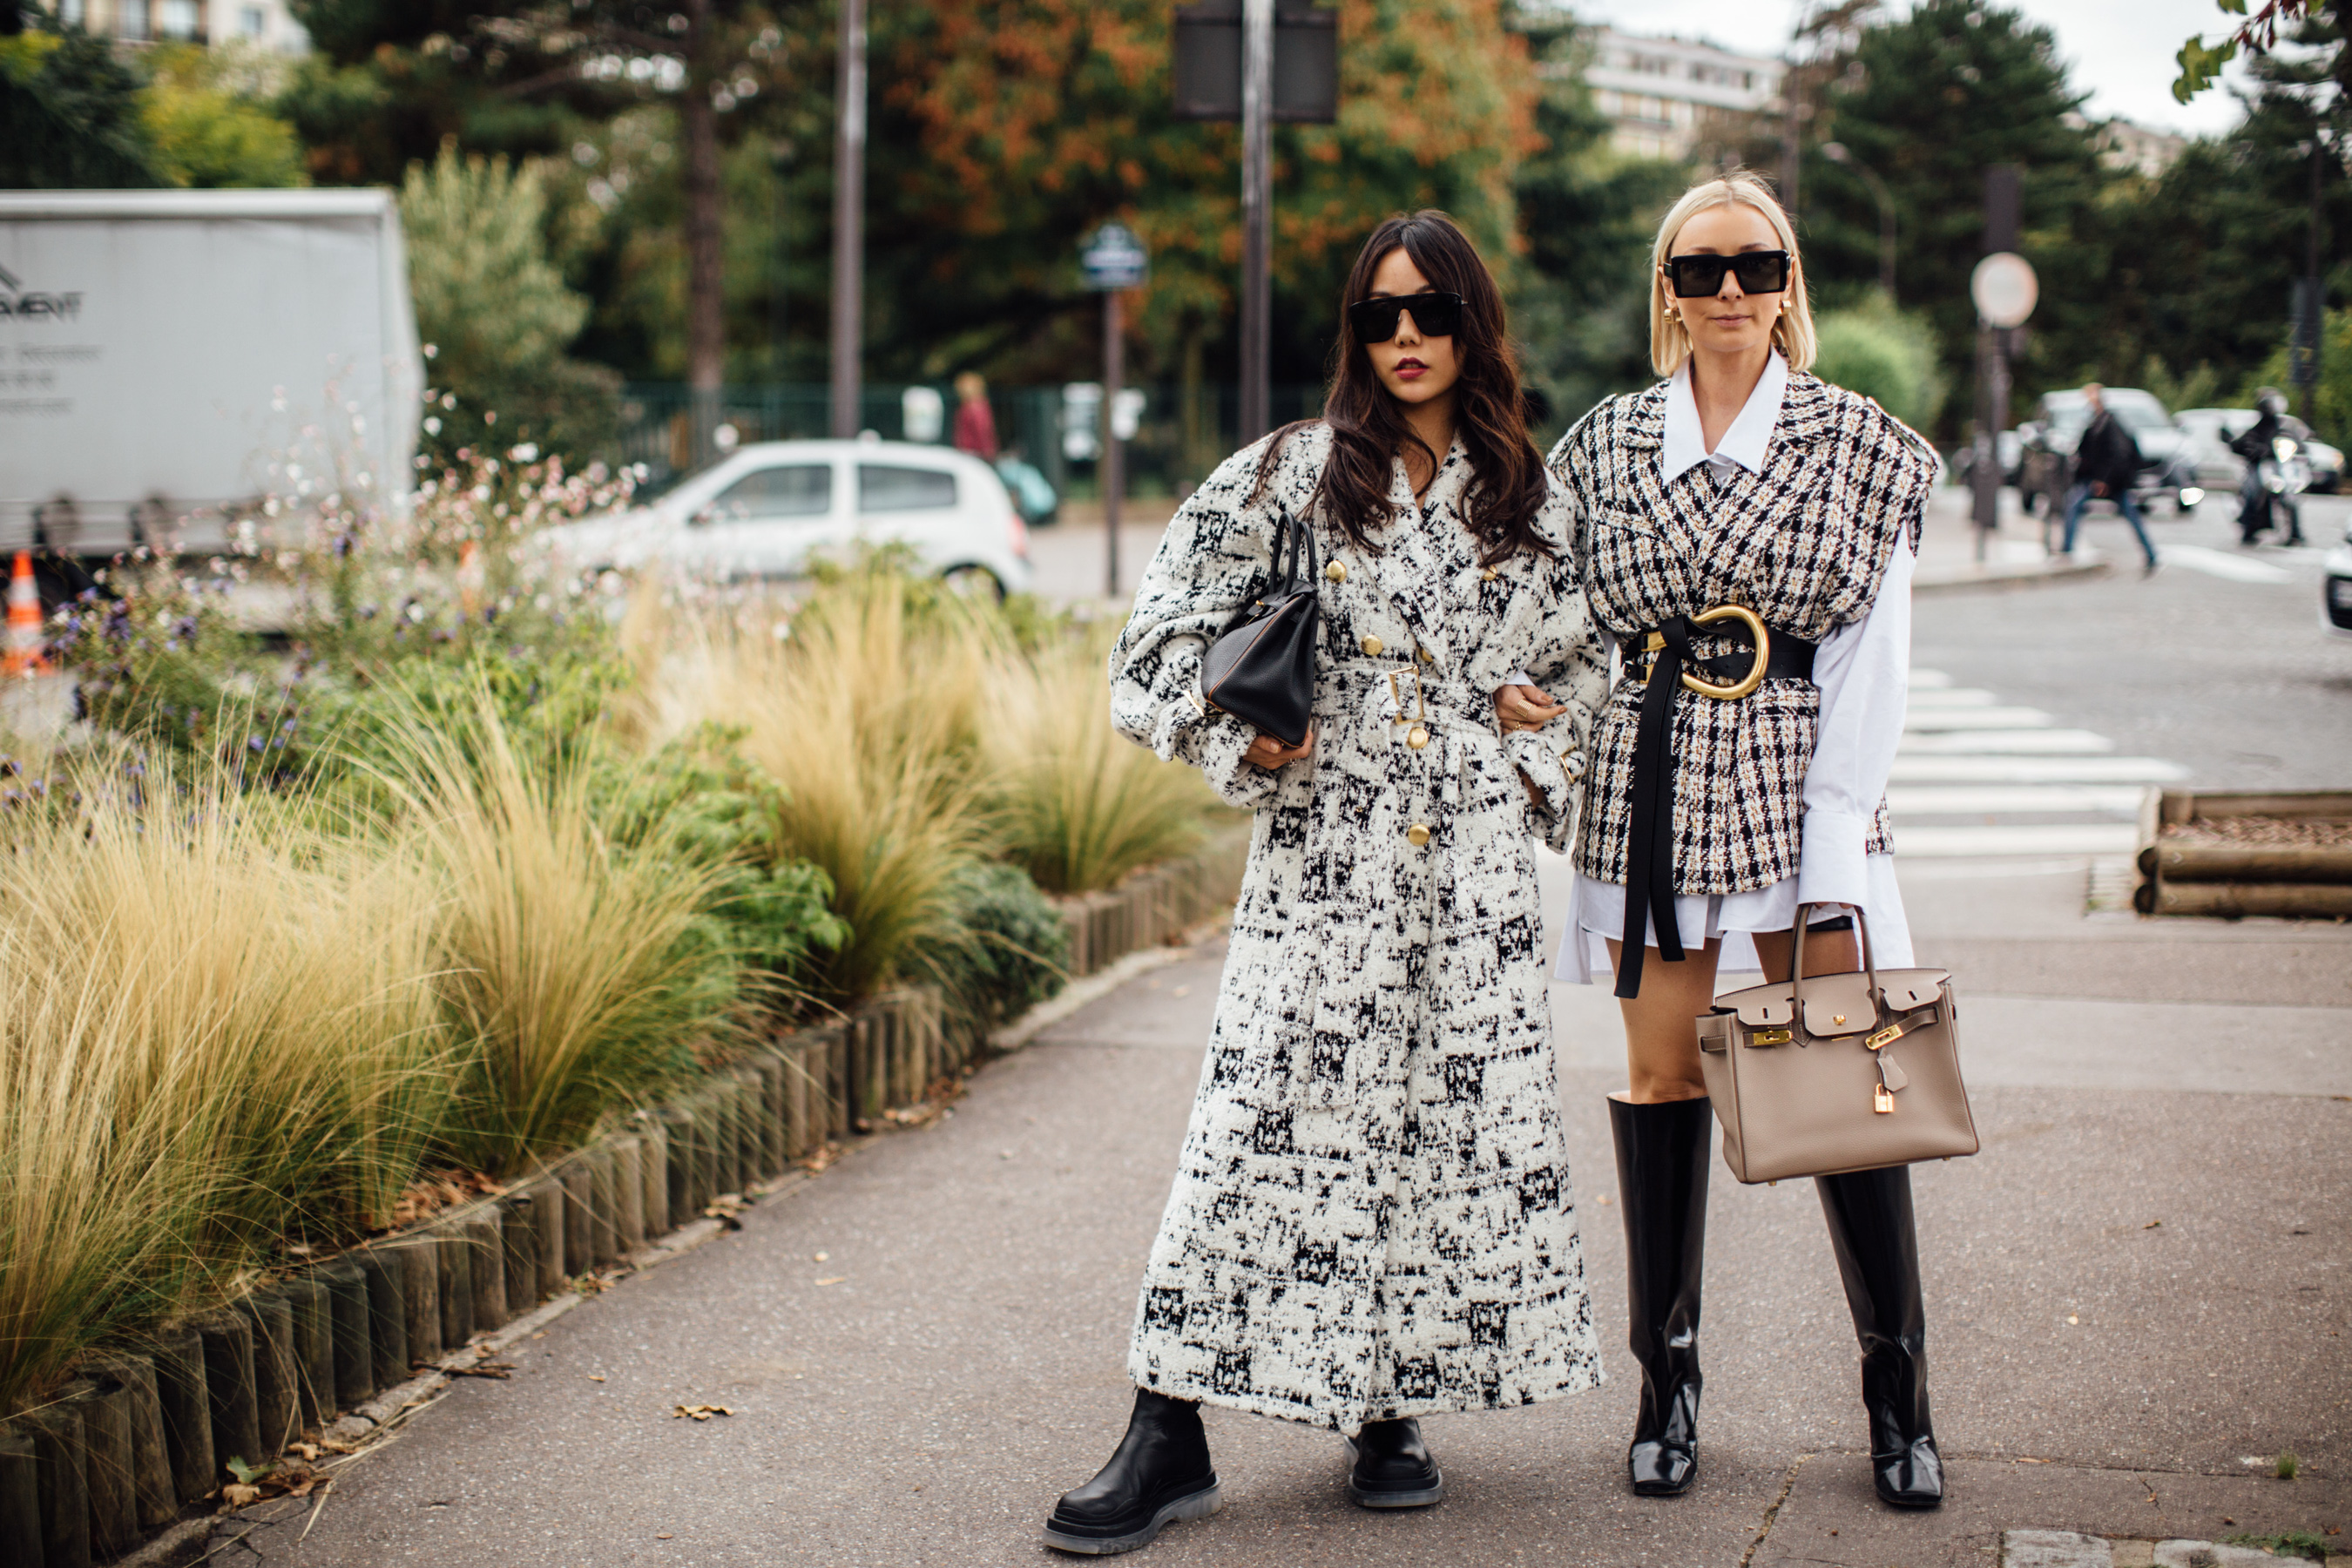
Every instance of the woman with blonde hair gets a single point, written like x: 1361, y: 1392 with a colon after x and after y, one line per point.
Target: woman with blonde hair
x: 1719, y: 814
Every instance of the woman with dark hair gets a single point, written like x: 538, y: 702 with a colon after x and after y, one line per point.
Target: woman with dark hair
x: 1371, y: 1217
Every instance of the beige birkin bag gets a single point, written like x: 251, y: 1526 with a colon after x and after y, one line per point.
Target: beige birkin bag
x: 1837, y: 1072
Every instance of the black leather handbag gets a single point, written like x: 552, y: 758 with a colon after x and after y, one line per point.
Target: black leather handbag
x: 1262, y: 670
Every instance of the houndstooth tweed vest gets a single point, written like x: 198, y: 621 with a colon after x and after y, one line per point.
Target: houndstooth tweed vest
x: 1804, y: 543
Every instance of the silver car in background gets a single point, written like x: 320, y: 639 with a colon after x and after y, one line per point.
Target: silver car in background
x: 773, y: 510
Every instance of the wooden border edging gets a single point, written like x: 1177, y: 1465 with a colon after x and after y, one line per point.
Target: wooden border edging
x: 2181, y: 877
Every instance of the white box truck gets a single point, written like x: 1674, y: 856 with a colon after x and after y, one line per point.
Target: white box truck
x: 159, y: 350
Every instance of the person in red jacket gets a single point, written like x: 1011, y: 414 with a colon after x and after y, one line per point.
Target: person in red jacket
x: 975, y: 425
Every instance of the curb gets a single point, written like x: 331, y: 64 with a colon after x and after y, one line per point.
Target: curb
x: 2006, y: 577
x: 107, y: 1469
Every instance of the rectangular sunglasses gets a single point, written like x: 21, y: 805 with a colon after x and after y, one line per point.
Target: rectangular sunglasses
x: 1696, y: 277
x: 1435, y: 315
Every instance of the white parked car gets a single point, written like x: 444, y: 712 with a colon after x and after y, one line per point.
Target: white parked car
x: 771, y: 510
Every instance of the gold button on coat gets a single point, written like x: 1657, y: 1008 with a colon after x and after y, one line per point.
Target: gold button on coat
x: 1417, y: 835
x: 1372, y: 645
x: 1417, y: 738
x: 1337, y: 571
x: 1488, y: 575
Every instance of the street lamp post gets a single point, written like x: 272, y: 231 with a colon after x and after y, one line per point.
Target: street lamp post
x: 1257, y: 290
x: 848, y: 218
x: 1837, y: 152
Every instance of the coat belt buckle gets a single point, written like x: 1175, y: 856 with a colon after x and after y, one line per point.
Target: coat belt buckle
x: 1754, y: 676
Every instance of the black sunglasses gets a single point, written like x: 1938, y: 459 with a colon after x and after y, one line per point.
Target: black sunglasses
x: 1435, y: 315
x: 1758, y: 271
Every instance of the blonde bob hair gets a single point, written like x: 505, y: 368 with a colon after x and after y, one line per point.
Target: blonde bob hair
x: 1792, y: 333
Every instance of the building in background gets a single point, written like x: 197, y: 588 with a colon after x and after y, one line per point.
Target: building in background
x: 2125, y: 146
x: 1660, y: 94
x: 264, y: 24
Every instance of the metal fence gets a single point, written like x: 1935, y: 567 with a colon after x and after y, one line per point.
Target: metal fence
x: 1177, y: 440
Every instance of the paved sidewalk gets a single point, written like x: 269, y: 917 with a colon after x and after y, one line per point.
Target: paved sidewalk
x: 2135, y: 1290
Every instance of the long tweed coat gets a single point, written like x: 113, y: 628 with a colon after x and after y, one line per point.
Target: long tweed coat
x: 1804, y: 543
x: 1372, y: 1215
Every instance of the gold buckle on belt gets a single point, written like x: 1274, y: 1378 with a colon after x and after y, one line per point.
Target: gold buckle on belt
x: 1746, y: 683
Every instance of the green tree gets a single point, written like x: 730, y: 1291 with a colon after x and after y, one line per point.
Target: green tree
x: 1929, y: 102
x: 70, y: 115
x: 496, y: 310
x: 208, y: 133
x: 1588, y: 215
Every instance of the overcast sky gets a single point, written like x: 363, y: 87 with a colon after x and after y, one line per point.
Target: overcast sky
x: 2120, y: 50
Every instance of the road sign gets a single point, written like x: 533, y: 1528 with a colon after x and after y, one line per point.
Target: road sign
x: 1113, y: 258
x: 2004, y: 289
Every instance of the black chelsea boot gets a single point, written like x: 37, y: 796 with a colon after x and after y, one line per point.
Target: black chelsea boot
x: 1158, y: 1476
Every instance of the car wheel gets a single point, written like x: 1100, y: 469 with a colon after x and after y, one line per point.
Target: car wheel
x: 974, y: 582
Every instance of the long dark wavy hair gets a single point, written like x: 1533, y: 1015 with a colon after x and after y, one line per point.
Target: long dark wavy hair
x: 1368, y: 425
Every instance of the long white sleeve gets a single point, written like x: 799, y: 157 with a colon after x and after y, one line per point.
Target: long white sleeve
x: 1864, y: 671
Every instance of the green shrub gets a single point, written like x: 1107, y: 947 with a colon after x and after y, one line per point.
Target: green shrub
x: 1015, y: 946
x: 1881, y: 352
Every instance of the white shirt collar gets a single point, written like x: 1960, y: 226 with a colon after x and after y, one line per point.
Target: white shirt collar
x: 1743, y: 443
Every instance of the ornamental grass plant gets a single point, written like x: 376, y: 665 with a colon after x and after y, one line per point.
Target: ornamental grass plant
x: 1077, y: 804
x: 219, y: 1032
x: 867, y: 717
x: 578, y: 974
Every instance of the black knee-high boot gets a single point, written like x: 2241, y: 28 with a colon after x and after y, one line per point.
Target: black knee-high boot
x: 1662, y: 1158
x: 1877, y: 1245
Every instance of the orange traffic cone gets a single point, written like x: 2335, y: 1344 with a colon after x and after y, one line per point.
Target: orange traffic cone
x: 21, y: 654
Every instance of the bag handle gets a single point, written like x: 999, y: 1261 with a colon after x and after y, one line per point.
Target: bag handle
x: 1797, y: 965
x: 1284, y: 579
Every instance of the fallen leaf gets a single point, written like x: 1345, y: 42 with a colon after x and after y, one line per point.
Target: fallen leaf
x: 247, y: 1474
x: 499, y: 1370
x: 661, y: 1538
x: 595, y: 1377
x: 834, y: 1280
x: 699, y: 1412
x: 307, y: 1450
x: 2151, y: 1225
x: 236, y: 1495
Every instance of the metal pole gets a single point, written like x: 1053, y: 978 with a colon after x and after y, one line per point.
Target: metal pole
x: 848, y: 220
x: 2311, y: 305
x: 1114, y: 461
x: 1984, y: 468
x: 1258, y: 115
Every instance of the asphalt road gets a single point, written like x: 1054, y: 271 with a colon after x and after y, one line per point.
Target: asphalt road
x: 2137, y: 1291
x: 2235, y: 679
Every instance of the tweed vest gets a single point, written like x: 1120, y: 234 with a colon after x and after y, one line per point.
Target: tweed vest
x: 1804, y: 543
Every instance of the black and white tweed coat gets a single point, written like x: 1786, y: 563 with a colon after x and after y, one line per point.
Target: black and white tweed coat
x: 1372, y: 1215
x: 1804, y: 543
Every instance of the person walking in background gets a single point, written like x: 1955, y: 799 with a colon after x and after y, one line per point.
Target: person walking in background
x: 2107, y: 463
x: 975, y: 422
x: 1372, y: 1217
x: 1741, y: 487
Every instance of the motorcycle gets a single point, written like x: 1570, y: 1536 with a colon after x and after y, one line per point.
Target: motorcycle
x: 2280, y: 477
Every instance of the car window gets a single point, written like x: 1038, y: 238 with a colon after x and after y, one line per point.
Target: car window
x: 801, y: 490
x: 885, y: 487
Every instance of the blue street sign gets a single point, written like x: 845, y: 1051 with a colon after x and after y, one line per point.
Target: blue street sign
x: 1112, y: 258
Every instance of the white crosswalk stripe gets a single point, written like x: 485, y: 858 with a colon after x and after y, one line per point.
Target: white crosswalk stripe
x: 1977, y: 777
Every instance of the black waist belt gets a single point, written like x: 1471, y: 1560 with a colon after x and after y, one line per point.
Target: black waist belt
x: 1664, y: 658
